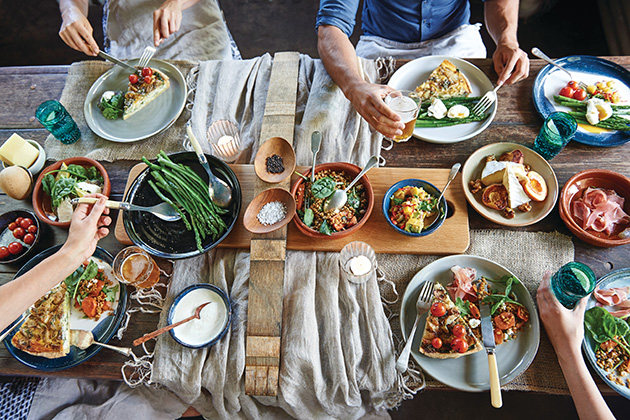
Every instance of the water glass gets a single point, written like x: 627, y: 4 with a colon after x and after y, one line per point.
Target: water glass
x: 573, y: 282
x: 56, y: 119
x: 358, y: 262
x: 554, y: 134
x: 134, y: 266
x: 406, y: 105
x: 224, y: 140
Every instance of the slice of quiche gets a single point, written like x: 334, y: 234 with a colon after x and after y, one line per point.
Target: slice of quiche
x: 446, y: 81
x: 144, y: 86
x: 45, y: 331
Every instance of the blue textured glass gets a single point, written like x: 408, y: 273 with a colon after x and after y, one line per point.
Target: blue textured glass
x: 56, y: 119
x: 573, y: 282
x: 554, y: 134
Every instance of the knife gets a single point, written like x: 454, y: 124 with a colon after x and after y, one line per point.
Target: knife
x: 487, y: 331
x: 117, y: 61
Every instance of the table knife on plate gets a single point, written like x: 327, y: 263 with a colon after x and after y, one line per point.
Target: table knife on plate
x: 487, y: 331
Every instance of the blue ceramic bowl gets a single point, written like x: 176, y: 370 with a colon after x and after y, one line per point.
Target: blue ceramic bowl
x: 224, y: 328
x: 428, y: 187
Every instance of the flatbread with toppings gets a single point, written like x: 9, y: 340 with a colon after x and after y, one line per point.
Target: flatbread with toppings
x: 446, y: 81
x: 144, y: 86
x: 446, y: 334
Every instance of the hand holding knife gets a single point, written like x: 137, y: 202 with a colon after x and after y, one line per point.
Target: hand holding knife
x: 487, y: 331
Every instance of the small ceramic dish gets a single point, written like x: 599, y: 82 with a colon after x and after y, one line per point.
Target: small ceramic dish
x: 250, y: 218
x: 573, y: 190
x: 351, y: 171
x: 428, y: 187
x: 275, y: 146
x: 214, y: 319
x: 38, y: 165
x: 7, y: 236
x: 41, y: 201
x: 472, y: 171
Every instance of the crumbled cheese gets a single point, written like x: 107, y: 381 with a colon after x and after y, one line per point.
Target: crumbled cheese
x: 271, y: 213
x: 474, y: 323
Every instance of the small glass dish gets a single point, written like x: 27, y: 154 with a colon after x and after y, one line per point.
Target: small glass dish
x: 358, y: 262
x: 224, y: 139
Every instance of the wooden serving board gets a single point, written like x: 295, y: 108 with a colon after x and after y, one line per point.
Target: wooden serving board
x: 452, y: 238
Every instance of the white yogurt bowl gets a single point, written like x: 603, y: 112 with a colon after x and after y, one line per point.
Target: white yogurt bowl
x: 214, y: 321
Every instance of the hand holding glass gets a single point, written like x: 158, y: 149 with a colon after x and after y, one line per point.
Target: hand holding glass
x: 573, y: 282
x: 403, y: 103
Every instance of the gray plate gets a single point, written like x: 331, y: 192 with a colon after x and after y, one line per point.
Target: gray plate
x: 470, y: 373
x: 152, y: 119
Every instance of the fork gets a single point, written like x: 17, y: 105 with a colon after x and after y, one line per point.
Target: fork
x: 486, y: 101
x: 146, y: 56
x: 163, y: 210
x: 422, y: 305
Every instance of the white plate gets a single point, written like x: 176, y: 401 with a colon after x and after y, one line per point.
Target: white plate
x: 154, y: 118
x: 416, y: 72
x: 472, y: 170
x: 470, y: 373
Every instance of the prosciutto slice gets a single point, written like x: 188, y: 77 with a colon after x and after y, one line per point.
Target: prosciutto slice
x: 462, y: 285
x: 616, y: 298
x: 599, y: 210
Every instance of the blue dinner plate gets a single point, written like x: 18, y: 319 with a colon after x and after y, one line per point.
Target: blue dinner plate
x: 103, y: 331
x: 617, y: 278
x: 604, y: 69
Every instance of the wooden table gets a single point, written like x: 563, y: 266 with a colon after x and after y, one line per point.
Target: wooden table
x: 24, y: 88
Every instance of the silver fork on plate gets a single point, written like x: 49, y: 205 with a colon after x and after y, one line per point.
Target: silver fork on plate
x: 146, y: 56
x: 486, y: 101
x: 422, y: 305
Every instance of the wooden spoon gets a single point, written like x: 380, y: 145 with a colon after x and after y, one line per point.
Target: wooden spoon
x: 155, y: 333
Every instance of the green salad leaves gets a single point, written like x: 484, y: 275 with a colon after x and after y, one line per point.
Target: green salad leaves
x: 112, y: 104
x: 602, y: 326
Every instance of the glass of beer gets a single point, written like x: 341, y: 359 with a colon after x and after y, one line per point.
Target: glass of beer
x: 134, y: 266
x: 406, y: 104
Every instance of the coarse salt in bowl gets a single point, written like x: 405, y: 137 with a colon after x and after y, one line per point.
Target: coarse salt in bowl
x: 214, y: 319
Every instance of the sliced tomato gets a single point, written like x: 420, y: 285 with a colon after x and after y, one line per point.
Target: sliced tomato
x: 535, y: 187
x: 97, y: 288
x: 498, y: 336
x: 504, y: 320
x: 474, y: 310
x: 89, y: 306
x: 522, y: 313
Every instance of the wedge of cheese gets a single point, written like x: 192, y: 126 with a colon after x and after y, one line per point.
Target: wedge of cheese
x: 17, y: 151
x: 516, y: 194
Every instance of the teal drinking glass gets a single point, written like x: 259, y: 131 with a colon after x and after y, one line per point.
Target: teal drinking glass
x: 554, y: 134
x: 573, y: 282
x: 56, y: 119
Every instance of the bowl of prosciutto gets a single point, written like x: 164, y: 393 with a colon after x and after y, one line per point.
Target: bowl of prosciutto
x: 595, y: 206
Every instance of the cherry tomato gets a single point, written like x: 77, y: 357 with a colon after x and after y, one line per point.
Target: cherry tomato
x: 4, y: 252
x: 15, y: 248
x: 459, y: 331
x: 18, y: 220
x: 504, y: 320
x: 25, y: 223
x: 147, y: 71
x: 436, y: 342
x: 438, y: 309
x: 29, y: 238
x: 567, y: 92
x: 579, y: 94
x: 133, y: 78
x: 18, y: 232
x: 147, y: 80
x: 460, y: 345
x: 12, y: 226
x: 573, y: 84
x: 32, y: 229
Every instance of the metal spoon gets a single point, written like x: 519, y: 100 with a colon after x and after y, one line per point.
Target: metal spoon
x: 84, y: 339
x: 220, y: 192
x: 544, y: 56
x: 316, y: 142
x: 451, y: 176
x: 163, y: 210
x: 339, y: 198
x: 162, y: 330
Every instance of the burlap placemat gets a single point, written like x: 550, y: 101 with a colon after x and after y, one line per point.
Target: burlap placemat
x: 527, y: 255
x: 80, y: 78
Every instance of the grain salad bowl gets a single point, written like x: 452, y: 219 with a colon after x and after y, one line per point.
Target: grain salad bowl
x: 366, y: 204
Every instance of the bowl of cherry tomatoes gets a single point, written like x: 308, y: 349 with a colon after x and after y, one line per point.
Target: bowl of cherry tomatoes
x: 19, y: 235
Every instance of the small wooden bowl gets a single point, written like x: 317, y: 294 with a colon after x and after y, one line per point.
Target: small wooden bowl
x: 573, y: 189
x: 41, y: 202
x: 250, y: 219
x: 275, y: 146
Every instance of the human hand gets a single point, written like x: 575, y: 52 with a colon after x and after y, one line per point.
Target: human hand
x: 367, y: 99
x: 511, y: 64
x: 76, y: 32
x: 88, y: 226
x: 166, y: 20
x: 564, y: 327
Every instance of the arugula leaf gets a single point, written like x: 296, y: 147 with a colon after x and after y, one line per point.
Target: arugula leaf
x: 463, y: 305
x: 62, y: 188
x: 308, y: 217
x: 497, y: 299
x: 110, y: 293
x: 48, y: 182
x: 77, y: 170
x: 88, y: 274
x: 325, y: 229
x: 323, y: 187
x: 94, y: 174
x: 73, y: 279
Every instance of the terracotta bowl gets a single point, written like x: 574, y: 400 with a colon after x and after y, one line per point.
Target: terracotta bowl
x: 352, y: 171
x: 41, y: 202
x: 573, y: 190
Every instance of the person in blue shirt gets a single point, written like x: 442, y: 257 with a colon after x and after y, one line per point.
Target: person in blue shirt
x: 410, y: 29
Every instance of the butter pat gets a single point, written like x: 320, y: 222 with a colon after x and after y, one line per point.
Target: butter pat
x: 17, y: 151
x: 516, y: 194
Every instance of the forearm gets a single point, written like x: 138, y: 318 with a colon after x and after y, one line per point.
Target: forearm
x: 501, y: 18
x: 81, y: 5
x: 588, y: 401
x: 184, y: 4
x: 339, y: 57
x: 19, y: 294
